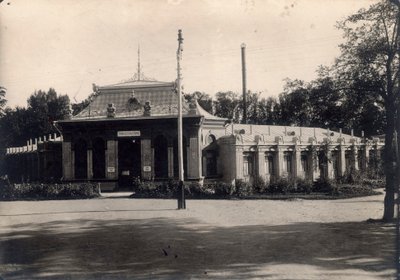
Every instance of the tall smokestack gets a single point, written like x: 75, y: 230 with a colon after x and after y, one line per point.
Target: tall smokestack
x: 244, y: 82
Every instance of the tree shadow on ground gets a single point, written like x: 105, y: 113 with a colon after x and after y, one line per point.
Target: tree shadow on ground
x: 166, y: 248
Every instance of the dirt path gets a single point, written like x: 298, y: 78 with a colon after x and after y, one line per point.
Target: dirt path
x: 120, y: 238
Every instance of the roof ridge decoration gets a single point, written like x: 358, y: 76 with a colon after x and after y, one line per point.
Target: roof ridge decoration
x: 139, y: 75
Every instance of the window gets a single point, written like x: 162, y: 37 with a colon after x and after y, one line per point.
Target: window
x: 211, y: 163
x: 304, y: 164
x: 269, y: 165
x: 248, y: 167
x: 287, y: 162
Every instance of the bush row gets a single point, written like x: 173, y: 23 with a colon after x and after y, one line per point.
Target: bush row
x: 241, y: 188
x: 48, y: 191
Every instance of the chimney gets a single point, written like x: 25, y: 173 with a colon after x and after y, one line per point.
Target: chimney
x: 244, y: 83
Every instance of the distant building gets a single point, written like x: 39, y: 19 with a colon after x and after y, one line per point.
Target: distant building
x: 130, y: 130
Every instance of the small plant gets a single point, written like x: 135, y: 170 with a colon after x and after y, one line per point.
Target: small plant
x: 304, y: 185
x: 223, y: 189
x: 242, y: 188
x: 259, y: 185
x: 282, y: 185
x: 325, y: 185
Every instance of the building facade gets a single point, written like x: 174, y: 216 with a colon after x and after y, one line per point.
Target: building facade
x: 129, y: 130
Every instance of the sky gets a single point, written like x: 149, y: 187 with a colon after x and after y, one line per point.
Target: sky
x: 71, y: 44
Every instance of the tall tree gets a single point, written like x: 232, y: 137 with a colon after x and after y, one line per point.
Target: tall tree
x: 3, y: 100
x: 371, y: 53
x: 227, y: 105
x: 204, y: 100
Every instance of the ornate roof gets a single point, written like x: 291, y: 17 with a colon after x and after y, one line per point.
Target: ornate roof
x: 139, y: 99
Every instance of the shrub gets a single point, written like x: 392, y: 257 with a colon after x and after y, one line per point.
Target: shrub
x: 325, y: 185
x: 279, y: 186
x: 304, y: 185
x: 259, y: 184
x: 48, y: 191
x: 354, y: 190
x: 223, y: 189
x: 242, y: 188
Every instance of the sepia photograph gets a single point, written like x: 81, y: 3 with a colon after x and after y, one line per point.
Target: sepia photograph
x: 200, y: 139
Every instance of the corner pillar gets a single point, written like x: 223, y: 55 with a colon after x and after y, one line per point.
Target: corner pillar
x: 112, y: 160
x: 279, y: 162
x: 342, y: 160
x: 297, y: 163
x: 146, y: 159
x: 261, y: 164
x: 170, y: 162
x: 194, y: 159
x: 67, y: 161
x: 90, y: 164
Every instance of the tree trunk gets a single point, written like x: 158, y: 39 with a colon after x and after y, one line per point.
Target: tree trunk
x: 390, y: 173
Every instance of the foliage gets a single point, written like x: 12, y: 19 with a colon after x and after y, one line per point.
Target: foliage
x: 369, y: 65
x: 223, y: 189
x: 226, y: 105
x: 259, y: 184
x: 204, y: 100
x: 304, y: 185
x: 3, y: 100
x: 48, y: 191
x: 242, y: 188
x: 282, y: 185
x: 325, y: 185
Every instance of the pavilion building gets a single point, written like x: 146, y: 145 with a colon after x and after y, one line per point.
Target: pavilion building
x: 129, y: 130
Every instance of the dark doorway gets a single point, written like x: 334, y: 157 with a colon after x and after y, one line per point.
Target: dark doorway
x: 80, y: 150
x: 176, y: 168
x: 129, y: 161
x: 99, y: 159
x: 161, y: 157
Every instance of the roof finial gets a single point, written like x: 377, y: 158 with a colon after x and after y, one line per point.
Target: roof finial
x: 138, y: 66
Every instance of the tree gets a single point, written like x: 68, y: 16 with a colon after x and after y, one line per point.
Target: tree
x: 45, y: 109
x: 226, y: 105
x: 3, y: 100
x: 371, y: 53
x: 295, y: 103
x: 204, y: 100
x: 269, y: 111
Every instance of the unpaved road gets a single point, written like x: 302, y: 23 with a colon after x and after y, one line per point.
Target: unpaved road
x: 121, y: 238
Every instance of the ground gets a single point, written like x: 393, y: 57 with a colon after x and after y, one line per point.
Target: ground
x: 122, y: 238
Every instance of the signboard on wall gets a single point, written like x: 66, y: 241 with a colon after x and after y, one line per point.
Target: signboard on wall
x: 146, y: 168
x: 111, y: 169
x: 128, y: 133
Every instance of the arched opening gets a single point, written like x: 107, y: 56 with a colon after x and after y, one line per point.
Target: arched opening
x: 176, y: 167
x: 99, y: 159
x: 80, y: 150
x: 161, y: 157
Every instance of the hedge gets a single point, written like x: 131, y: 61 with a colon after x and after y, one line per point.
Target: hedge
x: 48, y: 191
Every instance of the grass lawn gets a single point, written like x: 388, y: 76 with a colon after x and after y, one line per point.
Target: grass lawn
x: 122, y: 238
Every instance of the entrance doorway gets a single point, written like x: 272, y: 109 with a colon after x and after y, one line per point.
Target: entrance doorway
x: 129, y: 161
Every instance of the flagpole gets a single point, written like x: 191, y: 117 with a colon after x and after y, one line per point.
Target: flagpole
x: 181, y: 195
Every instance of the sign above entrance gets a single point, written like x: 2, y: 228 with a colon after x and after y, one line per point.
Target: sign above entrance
x: 129, y: 133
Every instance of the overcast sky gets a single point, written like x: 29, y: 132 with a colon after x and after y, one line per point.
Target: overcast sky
x: 70, y: 44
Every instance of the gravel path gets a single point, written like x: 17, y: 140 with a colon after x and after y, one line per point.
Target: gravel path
x: 121, y: 238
